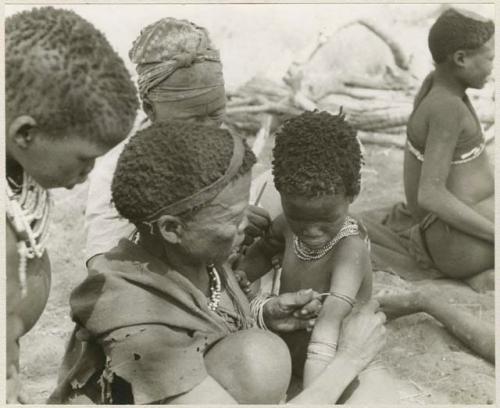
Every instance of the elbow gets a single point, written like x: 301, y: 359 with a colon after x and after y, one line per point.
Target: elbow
x: 426, y: 198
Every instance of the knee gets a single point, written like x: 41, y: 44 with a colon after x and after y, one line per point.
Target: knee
x: 253, y: 365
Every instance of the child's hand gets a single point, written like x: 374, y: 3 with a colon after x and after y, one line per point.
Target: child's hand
x: 241, y: 278
x: 258, y: 223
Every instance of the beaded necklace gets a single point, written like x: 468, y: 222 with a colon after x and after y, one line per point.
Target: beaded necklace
x: 304, y: 253
x: 215, y: 288
x: 28, y: 209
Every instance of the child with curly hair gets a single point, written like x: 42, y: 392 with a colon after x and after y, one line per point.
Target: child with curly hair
x: 316, y: 168
x: 69, y: 99
x: 448, y: 179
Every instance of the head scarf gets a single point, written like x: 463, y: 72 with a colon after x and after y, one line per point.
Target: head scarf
x: 177, y: 63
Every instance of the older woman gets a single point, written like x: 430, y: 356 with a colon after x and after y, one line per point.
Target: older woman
x: 161, y: 318
x: 179, y: 77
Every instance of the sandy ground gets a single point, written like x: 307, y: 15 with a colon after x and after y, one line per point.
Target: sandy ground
x: 433, y: 366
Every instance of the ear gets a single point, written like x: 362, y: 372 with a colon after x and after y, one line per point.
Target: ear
x: 19, y: 131
x: 459, y: 58
x: 170, y: 228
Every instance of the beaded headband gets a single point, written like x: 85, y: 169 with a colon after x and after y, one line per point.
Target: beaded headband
x: 206, y: 193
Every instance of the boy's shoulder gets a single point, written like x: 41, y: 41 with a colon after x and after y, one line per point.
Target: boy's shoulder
x: 444, y: 106
x: 442, y: 99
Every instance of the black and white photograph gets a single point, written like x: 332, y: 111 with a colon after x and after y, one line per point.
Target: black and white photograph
x: 237, y: 203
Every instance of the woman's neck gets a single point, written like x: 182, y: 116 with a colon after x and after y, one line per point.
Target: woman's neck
x: 183, y: 263
x: 444, y: 76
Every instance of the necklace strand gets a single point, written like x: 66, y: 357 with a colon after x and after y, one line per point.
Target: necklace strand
x: 28, y: 210
x: 304, y: 253
x: 215, y: 288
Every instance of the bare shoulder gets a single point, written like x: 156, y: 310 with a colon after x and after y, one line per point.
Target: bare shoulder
x: 444, y: 107
x: 351, y: 250
x: 352, y: 244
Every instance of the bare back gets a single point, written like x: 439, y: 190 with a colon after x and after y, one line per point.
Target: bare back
x: 471, y: 181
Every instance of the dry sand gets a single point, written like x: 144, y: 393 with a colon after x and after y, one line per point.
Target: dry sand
x: 433, y: 366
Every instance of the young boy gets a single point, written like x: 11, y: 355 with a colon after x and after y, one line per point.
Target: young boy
x: 316, y: 169
x: 448, y: 178
x: 69, y: 99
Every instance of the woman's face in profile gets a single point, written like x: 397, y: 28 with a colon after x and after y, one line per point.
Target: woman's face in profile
x: 215, y: 230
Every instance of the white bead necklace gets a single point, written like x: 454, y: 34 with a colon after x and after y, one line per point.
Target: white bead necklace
x: 215, y: 288
x: 28, y: 212
x: 304, y: 253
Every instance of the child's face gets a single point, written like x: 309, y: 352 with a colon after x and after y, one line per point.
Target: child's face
x: 479, y: 64
x: 61, y: 162
x: 315, y: 220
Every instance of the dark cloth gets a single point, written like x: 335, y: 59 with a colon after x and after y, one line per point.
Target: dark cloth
x: 398, y: 243
x: 142, y: 328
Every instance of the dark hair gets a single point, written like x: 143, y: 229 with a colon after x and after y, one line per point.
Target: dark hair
x: 315, y: 154
x: 62, y: 71
x: 455, y: 31
x: 169, y: 161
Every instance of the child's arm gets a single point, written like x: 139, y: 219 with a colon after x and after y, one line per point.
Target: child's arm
x: 351, y: 266
x: 258, y: 258
x: 445, y: 125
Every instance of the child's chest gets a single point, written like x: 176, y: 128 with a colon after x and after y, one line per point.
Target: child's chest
x: 297, y: 274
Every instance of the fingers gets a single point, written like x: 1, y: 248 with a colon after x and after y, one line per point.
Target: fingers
x: 309, y: 310
x: 243, y: 282
x: 258, y: 213
x: 253, y: 231
x: 298, y: 324
x: 369, y: 307
x: 297, y: 299
x: 258, y: 217
x: 382, y: 317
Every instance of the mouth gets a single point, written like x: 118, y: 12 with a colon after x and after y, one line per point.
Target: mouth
x: 313, y: 243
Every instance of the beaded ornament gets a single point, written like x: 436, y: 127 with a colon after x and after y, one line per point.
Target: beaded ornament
x: 304, y: 253
x: 28, y: 209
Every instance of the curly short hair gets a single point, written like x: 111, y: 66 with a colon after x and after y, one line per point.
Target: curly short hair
x: 455, y: 31
x: 317, y: 153
x: 62, y: 71
x: 169, y: 161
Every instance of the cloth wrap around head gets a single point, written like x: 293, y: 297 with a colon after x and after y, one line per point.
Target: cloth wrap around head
x: 177, y: 65
x: 207, y: 193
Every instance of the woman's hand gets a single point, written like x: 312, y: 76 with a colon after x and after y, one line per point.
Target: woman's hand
x: 363, y: 334
x: 258, y: 223
x: 241, y: 278
x: 292, y: 311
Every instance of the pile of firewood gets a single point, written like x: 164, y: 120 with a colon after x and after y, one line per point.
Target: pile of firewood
x: 378, y: 106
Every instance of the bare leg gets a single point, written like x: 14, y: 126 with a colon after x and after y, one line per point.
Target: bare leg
x: 459, y: 255
x: 475, y: 334
x: 252, y: 365
x: 482, y: 282
x: 373, y: 386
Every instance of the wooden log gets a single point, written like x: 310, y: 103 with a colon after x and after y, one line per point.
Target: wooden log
x: 381, y: 139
